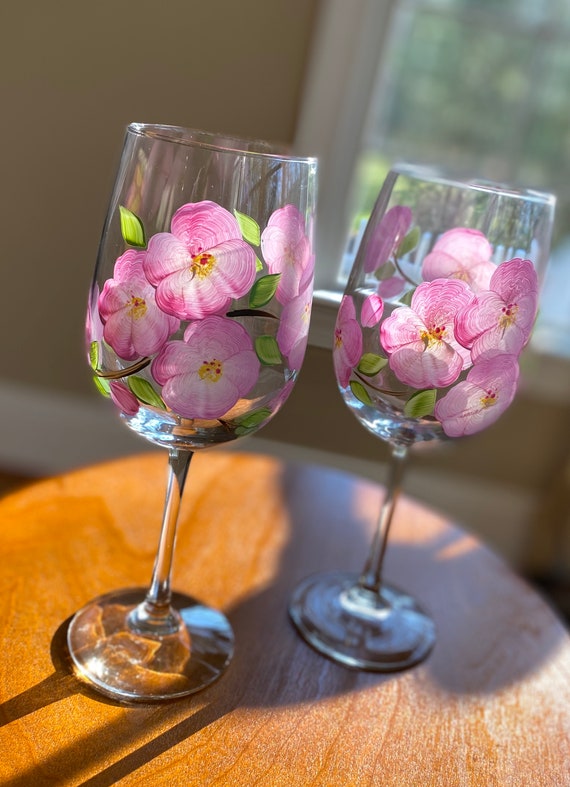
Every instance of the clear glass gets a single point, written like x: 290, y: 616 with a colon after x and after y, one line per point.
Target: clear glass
x: 197, y: 325
x: 439, y: 304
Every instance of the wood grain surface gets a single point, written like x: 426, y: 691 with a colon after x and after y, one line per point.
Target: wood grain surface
x: 491, y: 705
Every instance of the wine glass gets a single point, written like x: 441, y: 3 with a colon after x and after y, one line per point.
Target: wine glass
x: 439, y: 304
x: 197, y: 325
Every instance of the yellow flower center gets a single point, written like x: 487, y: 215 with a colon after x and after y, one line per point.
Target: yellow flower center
x: 489, y: 399
x: 508, y: 315
x: 434, y: 334
x: 337, y: 339
x: 202, y: 264
x: 211, y: 371
x: 137, y: 307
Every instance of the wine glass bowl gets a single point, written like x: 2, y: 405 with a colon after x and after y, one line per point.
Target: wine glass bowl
x: 439, y: 304
x: 197, y: 324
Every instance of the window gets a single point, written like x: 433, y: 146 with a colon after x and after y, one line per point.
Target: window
x: 478, y: 86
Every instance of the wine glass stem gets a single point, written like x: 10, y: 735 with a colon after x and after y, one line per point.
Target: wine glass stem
x: 155, y: 615
x: 371, y: 578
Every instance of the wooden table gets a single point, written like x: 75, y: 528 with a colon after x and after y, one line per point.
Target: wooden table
x: 491, y: 705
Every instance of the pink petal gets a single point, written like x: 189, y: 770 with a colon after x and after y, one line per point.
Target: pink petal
x: 461, y: 253
x: 371, y: 312
x: 347, y: 347
x: 387, y: 236
x: 203, y: 225
x: 123, y: 398
x: 476, y: 403
x: 436, y: 365
x: 389, y: 288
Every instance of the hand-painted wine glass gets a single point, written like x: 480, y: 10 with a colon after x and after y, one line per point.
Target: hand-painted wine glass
x: 196, y: 329
x: 439, y: 304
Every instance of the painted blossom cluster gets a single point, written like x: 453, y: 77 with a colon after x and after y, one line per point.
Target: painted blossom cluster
x: 168, y: 309
x: 455, y: 340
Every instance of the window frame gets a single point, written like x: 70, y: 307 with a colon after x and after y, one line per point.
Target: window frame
x: 350, y: 43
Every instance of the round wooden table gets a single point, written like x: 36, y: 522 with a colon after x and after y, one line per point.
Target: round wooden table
x: 491, y: 705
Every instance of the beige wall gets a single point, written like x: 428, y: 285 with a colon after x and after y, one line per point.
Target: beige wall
x: 72, y: 75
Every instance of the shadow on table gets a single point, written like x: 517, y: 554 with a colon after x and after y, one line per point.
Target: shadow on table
x: 492, y: 631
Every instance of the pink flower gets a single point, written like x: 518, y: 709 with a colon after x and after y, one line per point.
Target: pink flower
x: 477, y: 402
x: 133, y: 323
x: 202, y: 264
x: 389, y: 288
x: 501, y: 318
x: 205, y: 375
x: 124, y: 398
x: 287, y: 250
x: 387, y: 236
x: 293, y: 330
x: 371, y: 311
x: 461, y: 254
x: 347, y: 348
x: 420, y: 339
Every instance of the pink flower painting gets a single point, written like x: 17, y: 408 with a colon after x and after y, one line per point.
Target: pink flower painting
x: 420, y: 340
x: 372, y: 310
x: 133, y: 324
x: 347, y: 347
x: 463, y: 254
x: 501, y: 318
x: 202, y: 264
x: 387, y: 236
x: 123, y: 398
x: 205, y: 375
x: 287, y: 250
x: 293, y: 330
x: 481, y: 398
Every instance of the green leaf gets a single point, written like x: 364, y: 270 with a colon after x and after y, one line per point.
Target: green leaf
x: 409, y: 242
x: 132, y: 228
x: 258, y: 264
x: 250, y: 421
x: 370, y: 364
x: 420, y: 404
x: 406, y: 298
x: 249, y: 228
x: 385, y: 271
x: 94, y: 354
x: 144, y: 392
x: 360, y: 392
x: 267, y: 350
x: 263, y: 290
x: 102, y: 385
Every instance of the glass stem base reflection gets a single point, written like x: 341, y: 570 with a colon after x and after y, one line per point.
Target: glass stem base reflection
x: 125, y: 652
x: 354, y: 626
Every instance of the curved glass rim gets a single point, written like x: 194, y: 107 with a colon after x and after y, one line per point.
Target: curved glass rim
x: 215, y: 141
x: 437, y: 175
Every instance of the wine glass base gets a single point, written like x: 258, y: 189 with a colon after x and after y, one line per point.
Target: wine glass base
x: 348, y: 625
x: 129, y: 666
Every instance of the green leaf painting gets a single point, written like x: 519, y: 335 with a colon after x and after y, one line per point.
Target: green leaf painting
x: 267, y: 350
x: 370, y: 364
x: 263, y: 290
x: 385, y: 271
x: 420, y: 404
x: 102, y: 385
x: 360, y: 392
x: 144, y: 392
x: 132, y: 228
x: 246, y: 423
x: 94, y: 355
x: 249, y: 228
x: 409, y: 242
